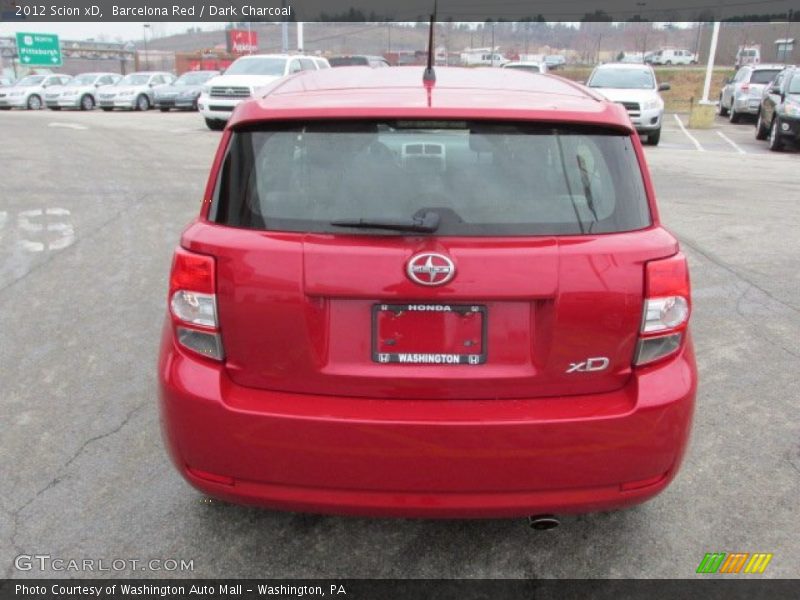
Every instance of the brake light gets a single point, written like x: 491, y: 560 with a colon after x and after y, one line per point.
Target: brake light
x: 666, y: 310
x: 193, y: 303
x: 745, y: 87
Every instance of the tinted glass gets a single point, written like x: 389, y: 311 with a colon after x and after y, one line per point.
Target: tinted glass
x: 31, y: 80
x: 482, y: 178
x: 87, y: 79
x: 764, y: 75
x: 348, y: 61
x: 135, y: 79
x: 194, y: 78
x: 794, y: 85
x: 622, y: 78
x: 529, y: 68
x: 258, y: 66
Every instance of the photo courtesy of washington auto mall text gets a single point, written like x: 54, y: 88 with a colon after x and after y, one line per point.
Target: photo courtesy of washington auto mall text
x: 383, y: 299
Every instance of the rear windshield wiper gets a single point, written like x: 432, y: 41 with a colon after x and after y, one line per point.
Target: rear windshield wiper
x: 426, y: 223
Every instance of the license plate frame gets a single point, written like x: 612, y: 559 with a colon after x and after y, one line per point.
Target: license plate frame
x: 430, y: 358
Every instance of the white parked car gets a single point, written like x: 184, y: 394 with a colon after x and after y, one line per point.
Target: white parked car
x: 134, y: 91
x: 531, y: 66
x: 635, y: 87
x: 672, y: 56
x: 80, y: 92
x: 29, y: 91
x: 247, y: 74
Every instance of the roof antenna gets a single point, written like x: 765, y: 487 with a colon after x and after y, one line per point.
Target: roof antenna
x: 430, y: 75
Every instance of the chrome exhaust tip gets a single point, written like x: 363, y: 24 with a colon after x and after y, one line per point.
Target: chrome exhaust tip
x: 543, y: 522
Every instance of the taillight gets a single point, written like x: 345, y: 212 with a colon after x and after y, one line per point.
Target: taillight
x: 745, y: 87
x: 667, y: 306
x: 193, y: 303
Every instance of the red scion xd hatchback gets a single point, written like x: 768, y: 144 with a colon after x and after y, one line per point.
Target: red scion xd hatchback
x: 449, y: 299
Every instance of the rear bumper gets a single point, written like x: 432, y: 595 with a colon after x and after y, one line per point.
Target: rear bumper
x: 747, y: 104
x: 425, y: 458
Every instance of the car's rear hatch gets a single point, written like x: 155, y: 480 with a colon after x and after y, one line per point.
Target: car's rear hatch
x: 535, y: 306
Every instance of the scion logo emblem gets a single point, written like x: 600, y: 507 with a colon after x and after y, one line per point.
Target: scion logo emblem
x: 430, y: 268
x: 229, y: 92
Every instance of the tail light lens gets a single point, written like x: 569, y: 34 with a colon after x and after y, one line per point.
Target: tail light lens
x: 745, y: 87
x: 193, y: 303
x: 666, y: 311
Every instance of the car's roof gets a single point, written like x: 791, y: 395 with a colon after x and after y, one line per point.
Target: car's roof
x: 274, y: 56
x: 621, y: 65
x: 765, y: 66
x: 458, y: 93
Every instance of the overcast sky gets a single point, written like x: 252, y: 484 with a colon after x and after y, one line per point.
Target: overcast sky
x: 83, y: 31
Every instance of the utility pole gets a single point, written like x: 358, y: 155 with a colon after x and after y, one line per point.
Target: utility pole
x: 300, y: 42
x: 284, y: 32
x: 145, y: 27
x: 491, y: 52
x: 712, y: 53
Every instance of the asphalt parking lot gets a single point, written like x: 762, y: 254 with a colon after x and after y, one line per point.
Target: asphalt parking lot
x: 91, y: 207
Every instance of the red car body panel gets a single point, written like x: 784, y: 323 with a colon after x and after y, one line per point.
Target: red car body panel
x: 298, y: 417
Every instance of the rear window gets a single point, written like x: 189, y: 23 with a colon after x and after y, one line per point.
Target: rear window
x: 764, y: 75
x: 483, y: 179
x: 348, y: 61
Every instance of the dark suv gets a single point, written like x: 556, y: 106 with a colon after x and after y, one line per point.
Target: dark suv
x: 779, y: 114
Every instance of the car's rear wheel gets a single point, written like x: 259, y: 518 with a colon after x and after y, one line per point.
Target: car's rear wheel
x: 142, y: 103
x: 775, y: 142
x: 654, y: 137
x: 215, y: 124
x: 34, y: 102
x: 761, y: 131
x: 87, y: 102
x: 734, y: 116
x: 721, y: 110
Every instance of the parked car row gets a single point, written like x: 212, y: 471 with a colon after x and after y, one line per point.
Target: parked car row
x: 137, y: 91
x: 769, y: 94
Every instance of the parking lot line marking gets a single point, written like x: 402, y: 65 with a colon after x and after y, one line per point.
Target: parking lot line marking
x: 689, y: 135
x: 731, y: 142
x: 67, y: 125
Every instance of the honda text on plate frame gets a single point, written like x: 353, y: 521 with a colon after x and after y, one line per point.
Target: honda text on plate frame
x: 428, y: 300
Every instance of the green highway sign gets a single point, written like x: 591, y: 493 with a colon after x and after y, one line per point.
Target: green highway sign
x: 39, y: 49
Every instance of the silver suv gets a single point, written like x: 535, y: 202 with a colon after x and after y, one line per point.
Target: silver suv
x: 80, y: 92
x: 741, y: 94
x: 134, y: 91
